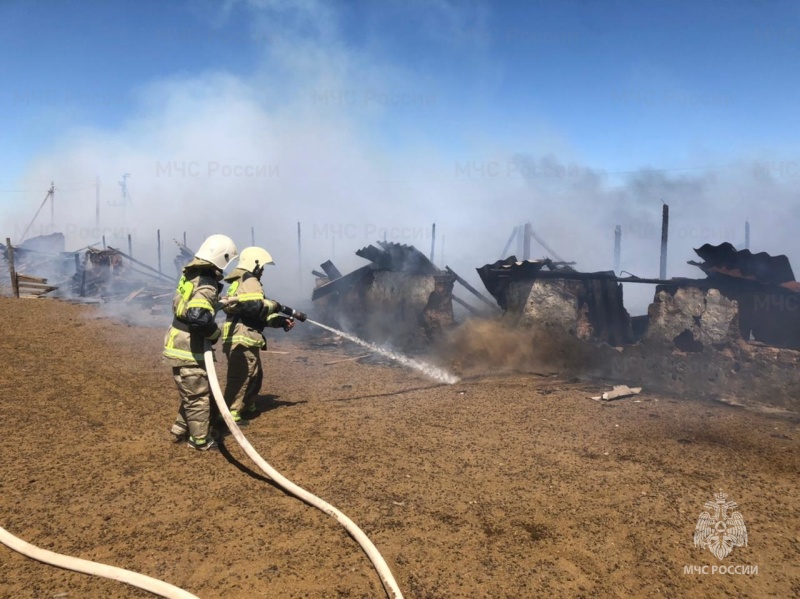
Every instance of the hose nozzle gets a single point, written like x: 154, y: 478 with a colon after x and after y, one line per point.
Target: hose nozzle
x: 301, y: 316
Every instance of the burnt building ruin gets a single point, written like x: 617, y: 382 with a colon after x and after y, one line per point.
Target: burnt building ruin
x: 733, y: 334
x: 400, y: 297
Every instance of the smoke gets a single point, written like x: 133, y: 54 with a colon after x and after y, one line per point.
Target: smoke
x: 325, y: 134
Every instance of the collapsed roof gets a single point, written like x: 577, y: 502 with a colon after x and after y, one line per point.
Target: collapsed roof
x: 389, y: 256
x: 724, y: 261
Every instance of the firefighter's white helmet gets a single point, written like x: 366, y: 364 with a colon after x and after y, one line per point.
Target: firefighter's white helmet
x: 254, y: 257
x: 219, y: 250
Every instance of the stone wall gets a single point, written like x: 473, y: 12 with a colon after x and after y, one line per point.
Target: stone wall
x: 691, y: 318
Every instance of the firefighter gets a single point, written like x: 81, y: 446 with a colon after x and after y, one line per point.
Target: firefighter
x: 194, y: 307
x: 249, y: 312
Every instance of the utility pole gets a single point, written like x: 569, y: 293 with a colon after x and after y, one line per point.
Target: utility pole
x: 617, y: 247
x: 52, y: 193
x: 747, y: 234
x: 664, y: 238
x: 526, y: 242
x: 433, y: 240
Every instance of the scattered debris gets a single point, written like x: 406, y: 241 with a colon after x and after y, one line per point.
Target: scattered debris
x: 346, y: 360
x: 618, y: 392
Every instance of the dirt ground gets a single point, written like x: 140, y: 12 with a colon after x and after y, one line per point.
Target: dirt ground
x: 502, y: 485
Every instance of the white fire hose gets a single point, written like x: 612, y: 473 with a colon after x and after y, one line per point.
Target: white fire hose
x: 157, y: 587
x: 164, y: 589
x: 389, y: 583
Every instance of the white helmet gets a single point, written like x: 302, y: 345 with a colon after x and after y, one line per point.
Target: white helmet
x: 254, y: 257
x: 219, y: 250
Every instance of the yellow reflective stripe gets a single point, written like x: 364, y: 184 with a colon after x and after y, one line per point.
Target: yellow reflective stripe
x: 232, y: 289
x: 226, y: 329
x: 181, y: 354
x: 200, y: 302
x: 185, y: 288
x: 248, y: 297
x: 171, y: 341
x: 243, y: 340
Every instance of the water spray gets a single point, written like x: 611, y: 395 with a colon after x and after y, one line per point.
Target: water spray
x: 428, y: 370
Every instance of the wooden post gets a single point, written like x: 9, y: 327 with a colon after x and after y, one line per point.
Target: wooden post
x: 130, y: 245
x: 142, y: 264
x: 433, y: 240
x: 617, y: 247
x: 252, y: 236
x: 526, y: 242
x: 664, y: 237
x: 104, y: 242
x: 470, y: 288
x: 11, y: 270
x: 52, y: 203
x: 747, y: 234
x: 83, y: 275
x: 184, y: 238
x: 159, y: 251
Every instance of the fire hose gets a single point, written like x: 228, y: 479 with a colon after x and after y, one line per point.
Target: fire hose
x: 389, y: 583
x: 164, y: 589
x: 155, y: 586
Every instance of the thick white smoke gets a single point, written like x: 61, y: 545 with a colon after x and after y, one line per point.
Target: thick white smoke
x: 307, y: 136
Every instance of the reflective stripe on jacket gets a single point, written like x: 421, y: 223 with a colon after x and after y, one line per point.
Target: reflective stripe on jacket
x: 248, y: 316
x: 198, y: 289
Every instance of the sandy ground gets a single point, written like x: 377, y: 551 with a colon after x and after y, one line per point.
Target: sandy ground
x: 503, y: 485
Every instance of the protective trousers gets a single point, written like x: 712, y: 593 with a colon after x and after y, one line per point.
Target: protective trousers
x: 245, y: 376
x: 194, y: 413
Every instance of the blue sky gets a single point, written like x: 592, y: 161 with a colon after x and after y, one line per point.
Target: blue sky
x: 626, y: 84
x: 403, y: 92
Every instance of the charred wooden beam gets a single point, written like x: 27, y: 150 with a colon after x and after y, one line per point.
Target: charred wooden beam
x: 664, y: 239
x: 342, y: 283
x: 142, y: 264
x: 470, y: 288
x: 330, y: 270
x: 461, y: 302
x: 11, y: 270
x: 319, y: 275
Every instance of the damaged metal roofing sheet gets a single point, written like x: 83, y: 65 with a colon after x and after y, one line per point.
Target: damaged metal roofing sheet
x: 398, y: 257
x: 726, y: 260
x: 389, y: 256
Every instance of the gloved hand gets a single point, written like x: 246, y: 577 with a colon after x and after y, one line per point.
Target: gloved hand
x: 288, y: 324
